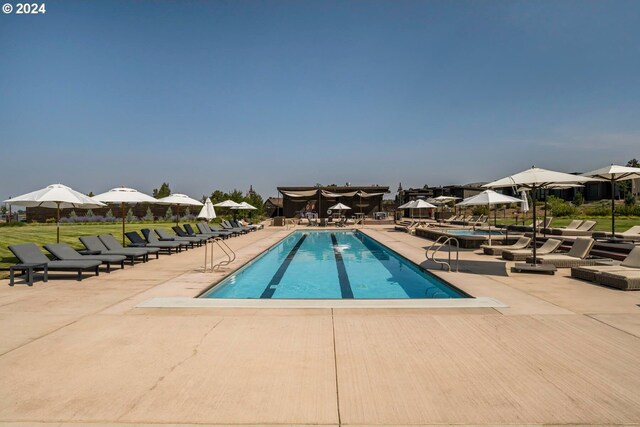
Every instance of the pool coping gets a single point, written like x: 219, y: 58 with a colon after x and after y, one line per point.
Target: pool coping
x: 187, y: 302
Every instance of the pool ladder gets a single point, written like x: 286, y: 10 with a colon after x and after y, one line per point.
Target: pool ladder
x: 208, y: 254
x: 439, y: 244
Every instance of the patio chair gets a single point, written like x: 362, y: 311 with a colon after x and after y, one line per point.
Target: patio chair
x: 192, y: 241
x: 584, y: 229
x: 576, y: 256
x: 496, y: 250
x: 632, y: 234
x: 139, y: 242
x: 112, y: 244
x: 591, y: 273
x: 226, y: 225
x: 95, y: 245
x: 550, y: 246
x: 213, y: 232
x: 153, y: 240
x: 31, y: 257
x: 64, y: 252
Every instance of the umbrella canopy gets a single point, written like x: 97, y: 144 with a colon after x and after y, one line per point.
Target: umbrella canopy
x: 178, y: 200
x: 245, y: 205
x: 339, y: 207
x: 207, y: 212
x: 488, y: 197
x: 614, y: 174
x: 406, y: 205
x: 227, y: 204
x: 56, y: 196
x: 422, y: 204
x: 124, y: 196
x: 534, y: 179
x: 443, y: 199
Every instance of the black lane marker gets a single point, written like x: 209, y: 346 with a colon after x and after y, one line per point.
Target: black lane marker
x: 343, y: 278
x: 275, y: 280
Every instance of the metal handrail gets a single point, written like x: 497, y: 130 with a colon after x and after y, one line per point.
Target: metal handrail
x: 231, y: 255
x: 440, y: 243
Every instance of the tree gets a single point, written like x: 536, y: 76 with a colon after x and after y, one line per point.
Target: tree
x: 236, y: 196
x: 625, y: 186
x: 169, y: 215
x: 218, y: 196
x: 130, y: 216
x: 3, y: 210
x: 90, y: 194
x: 578, y: 199
x: 89, y: 212
x: 163, y: 191
x: 633, y: 163
x: 148, y: 215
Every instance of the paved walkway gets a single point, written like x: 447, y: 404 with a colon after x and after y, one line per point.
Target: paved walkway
x: 562, y: 352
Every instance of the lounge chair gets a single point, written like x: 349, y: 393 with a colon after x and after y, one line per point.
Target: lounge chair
x: 169, y: 245
x: 191, y: 241
x: 181, y: 233
x: 95, y: 245
x: 212, y: 232
x: 547, y: 247
x: 626, y: 280
x: 251, y: 227
x: 30, y: 254
x: 576, y: 256
x: 524, y: 228
x: 226, y: 225
x: 112, y: 244
x: 632, y: 234
x: 64, y: 252
x: 573, y: 225
x: 583, y: 229
x: 140, y: 242
x: 496, y: 250
x: 591, y: 273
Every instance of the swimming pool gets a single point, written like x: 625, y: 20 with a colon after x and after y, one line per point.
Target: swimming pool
x: 332, y: 265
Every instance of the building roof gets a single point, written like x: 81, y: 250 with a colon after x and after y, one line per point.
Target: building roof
x: 275, y: 201
x: 365, y: 188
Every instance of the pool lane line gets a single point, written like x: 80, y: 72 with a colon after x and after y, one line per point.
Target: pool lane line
x: 343, y: 277
x: 275, y: 280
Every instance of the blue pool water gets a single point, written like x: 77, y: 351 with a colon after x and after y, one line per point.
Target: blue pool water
x: 332, y: 265
x: 473, y: 232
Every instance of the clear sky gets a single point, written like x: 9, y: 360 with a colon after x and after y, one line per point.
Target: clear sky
x: 223, y: 94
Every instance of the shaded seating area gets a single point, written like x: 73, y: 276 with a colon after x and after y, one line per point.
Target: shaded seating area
x: 32, y: 259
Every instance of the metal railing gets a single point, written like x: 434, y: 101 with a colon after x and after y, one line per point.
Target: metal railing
x: 208, y: 254
x: 439, y: 244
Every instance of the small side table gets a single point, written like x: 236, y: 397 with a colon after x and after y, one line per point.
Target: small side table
x: 29, y: 268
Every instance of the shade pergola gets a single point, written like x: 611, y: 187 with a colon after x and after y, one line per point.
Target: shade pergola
x: 207, y: 212
x: 178, y: 200
x: 534, y: 179
x: 125, y: 196
x: 614, y: 174
x: 55, y: 196
x: 489, y: 198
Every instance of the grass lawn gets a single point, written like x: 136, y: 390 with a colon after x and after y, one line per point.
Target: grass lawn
x: 41, y: 234
x: 603, y: 223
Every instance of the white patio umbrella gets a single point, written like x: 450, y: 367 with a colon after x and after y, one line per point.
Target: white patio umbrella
x: 408, y: 205
x: 614, y: 174
x: 178, y: 200
x: 339, y: 207
x: 489, y: 198
x: 422, y: 204
x: 207, y: 212
x: 442, y: 200
x: 535, y: 179
x: 227, y: 204
x: 245, y: 206
x: 125, y: 196
x: 55, y: 196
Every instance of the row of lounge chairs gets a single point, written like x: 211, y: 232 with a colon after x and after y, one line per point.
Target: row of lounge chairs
x: 625, y: 276
x: 576, y: 227
x: 106, y: 250
x: 475, y: 221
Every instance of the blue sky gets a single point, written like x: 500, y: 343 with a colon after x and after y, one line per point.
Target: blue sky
x: 223, y: 94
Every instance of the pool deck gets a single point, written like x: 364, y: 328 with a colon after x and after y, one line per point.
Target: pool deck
x: 559, y: 352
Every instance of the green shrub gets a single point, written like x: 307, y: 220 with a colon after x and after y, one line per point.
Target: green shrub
x: 601, y: 208
x: 148, y: 215
x: 130, y: 216
x: 578, y: 199
x: 628, y: 210
x: 73, y: 214
x: 560, y: 208
x: 169, y: 215
x: 629, y: 199
x: 480, y: 210
x: 13, y: 224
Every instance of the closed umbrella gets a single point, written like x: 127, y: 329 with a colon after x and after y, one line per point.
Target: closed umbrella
x: 207, y: 212
x: 535, y: 179
x: 489, y: 198
x: 55, y: 196
x: 614, y: 174
x: 124, y: 196
x: 178, y: 200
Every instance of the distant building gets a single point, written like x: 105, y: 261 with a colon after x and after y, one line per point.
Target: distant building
x: 273, y: 207
x: 361, y: 199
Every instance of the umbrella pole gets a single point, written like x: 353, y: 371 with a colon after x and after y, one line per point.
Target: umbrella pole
x: 122, y: 209
x: 533, y: 202
x: 177, y: 213
x: 544, y: 222
x: 58, y: 223
x: 613, y: 208
x: 489, y: 205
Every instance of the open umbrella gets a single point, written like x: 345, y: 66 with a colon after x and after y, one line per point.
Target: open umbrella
x: 124, y: 196
x: 207, y: 212
x: 442, y: 200
x: 56, y: 196
x: 489, y: 198
x: 339, y: 207
x: 614, y: 174
x: 178, y: 200
x: 245, y: 206
x: 422, y: 204
x: 535, y: 179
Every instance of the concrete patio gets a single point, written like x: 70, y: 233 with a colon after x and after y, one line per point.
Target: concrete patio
x: 562, y: 352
